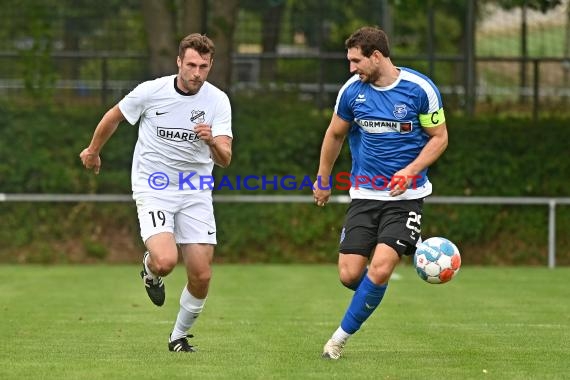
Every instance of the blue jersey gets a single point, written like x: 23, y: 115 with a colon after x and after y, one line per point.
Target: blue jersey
x: 386, y: 132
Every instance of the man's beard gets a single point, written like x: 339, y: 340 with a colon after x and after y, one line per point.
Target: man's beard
x: 369, y: 78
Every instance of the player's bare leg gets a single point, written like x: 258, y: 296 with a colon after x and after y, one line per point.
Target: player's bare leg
x: 351, y: 269
x: 158, y: 261
x: 198, y: 263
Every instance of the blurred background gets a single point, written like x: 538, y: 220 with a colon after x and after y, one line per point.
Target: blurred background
x: 502, y: 67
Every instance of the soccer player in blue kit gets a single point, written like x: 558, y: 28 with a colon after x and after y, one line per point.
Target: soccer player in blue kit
x: 393, y: 117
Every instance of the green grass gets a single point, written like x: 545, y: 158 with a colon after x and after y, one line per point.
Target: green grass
x: 271, y: 321
x: 547, y: 41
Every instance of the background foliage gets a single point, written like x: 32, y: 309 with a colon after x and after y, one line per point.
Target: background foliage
x: 100, y: 50
x: 276, y: 135
x: 62, y: 63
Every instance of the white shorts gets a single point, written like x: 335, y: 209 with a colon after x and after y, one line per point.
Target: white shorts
x: 189, y: 217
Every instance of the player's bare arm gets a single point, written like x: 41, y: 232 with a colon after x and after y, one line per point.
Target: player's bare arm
x: 332, y: 144
x: 221, y: 149
x: 105, y: 129
x: 220, y: 146
x: 434, y: 148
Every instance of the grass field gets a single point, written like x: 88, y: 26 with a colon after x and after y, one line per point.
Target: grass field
x: 547, y: 41
x: 271, y: 321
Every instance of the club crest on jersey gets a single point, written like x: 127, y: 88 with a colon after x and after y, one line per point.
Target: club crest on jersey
x: 198, y: 117
x: 400, y: 111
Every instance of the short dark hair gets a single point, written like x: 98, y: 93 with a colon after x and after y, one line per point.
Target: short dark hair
x: 199, y: 42
x: 368, y: 39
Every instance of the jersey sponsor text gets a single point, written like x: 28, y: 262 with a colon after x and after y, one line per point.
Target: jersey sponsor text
x: 385, y: 126
x: 176, y: 134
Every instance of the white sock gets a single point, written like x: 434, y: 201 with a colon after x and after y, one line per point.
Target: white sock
x: 340, y: 335
x: 190, y: 309
x: 147, y: 269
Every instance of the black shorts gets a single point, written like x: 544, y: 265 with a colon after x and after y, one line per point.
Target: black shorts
x: 370, y: 222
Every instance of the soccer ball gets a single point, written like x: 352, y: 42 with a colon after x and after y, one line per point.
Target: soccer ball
x: 437, y: 260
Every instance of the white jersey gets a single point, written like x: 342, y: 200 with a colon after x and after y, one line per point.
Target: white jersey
x: 169, y: 158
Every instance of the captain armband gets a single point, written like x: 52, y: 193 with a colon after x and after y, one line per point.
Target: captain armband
x: 432, y: 119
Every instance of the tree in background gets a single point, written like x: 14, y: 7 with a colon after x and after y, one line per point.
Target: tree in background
x: 49, y: 36
x: 36, y: 29
x: 271, y: 25
x: 31, y: 32
x: 168, y: 21
x: 160, y: 26
x: 221, y: 26
x: 80, y: 22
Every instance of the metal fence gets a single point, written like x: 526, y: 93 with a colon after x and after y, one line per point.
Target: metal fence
x: 515, y: 60
x: 534, y: 97
x: 552, y: 203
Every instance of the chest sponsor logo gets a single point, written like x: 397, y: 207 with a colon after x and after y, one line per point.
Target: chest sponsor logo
x: 385, y: 126
x: 176, y: 134
x: 198, y: 117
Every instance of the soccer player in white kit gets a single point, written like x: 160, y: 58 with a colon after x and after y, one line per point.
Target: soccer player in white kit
x: 184, y: 129
x: 394, y: 120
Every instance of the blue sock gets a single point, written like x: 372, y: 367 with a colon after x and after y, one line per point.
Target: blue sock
x: 364, y: 301
x: 355, y: 285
